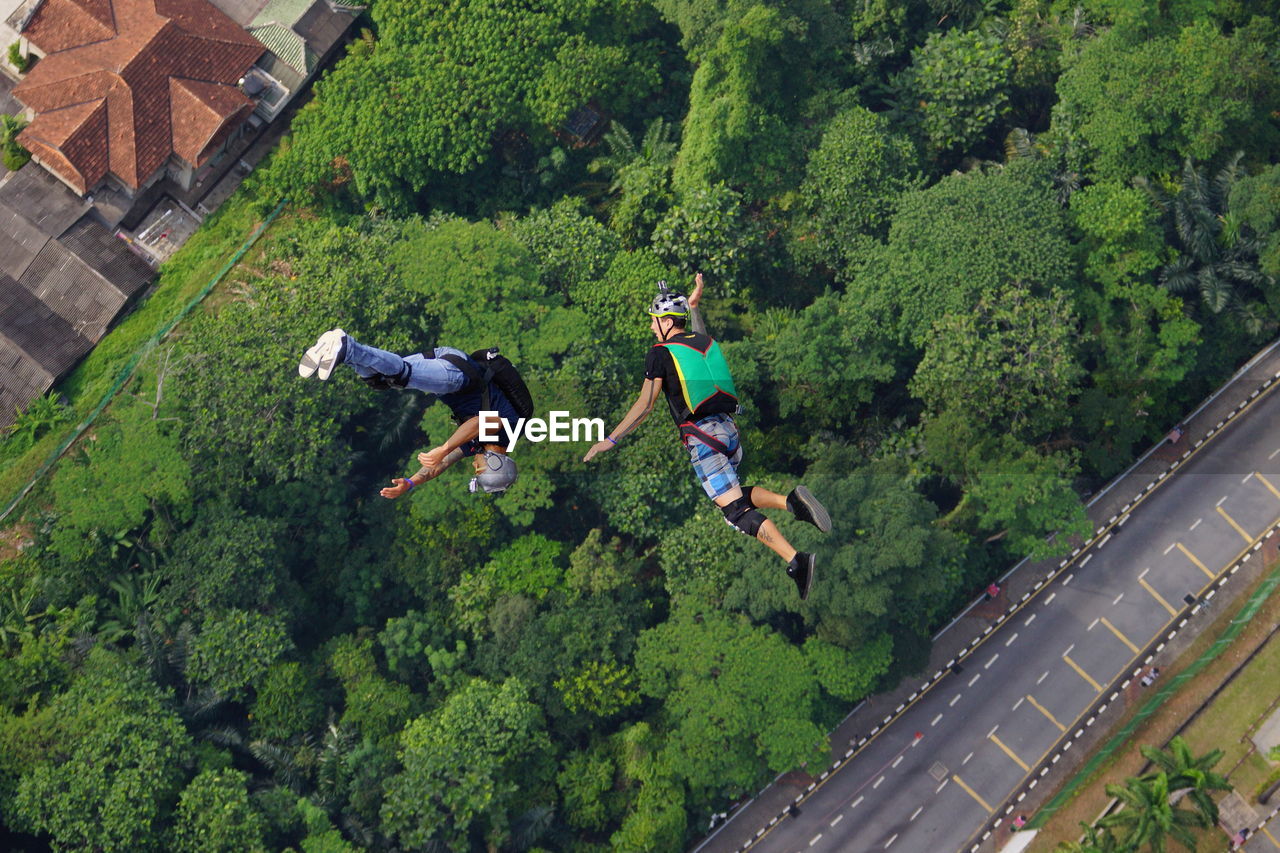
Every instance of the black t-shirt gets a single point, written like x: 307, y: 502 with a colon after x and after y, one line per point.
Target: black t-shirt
x: 660, y: 364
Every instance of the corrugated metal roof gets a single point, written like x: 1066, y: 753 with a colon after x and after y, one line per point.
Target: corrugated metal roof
x: 284, y: 43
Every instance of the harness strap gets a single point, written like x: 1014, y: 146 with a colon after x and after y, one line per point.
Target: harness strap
x: 476, y: 377
x: 689, y: 430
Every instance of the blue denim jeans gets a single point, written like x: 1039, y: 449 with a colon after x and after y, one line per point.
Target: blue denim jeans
x: 433, y: 375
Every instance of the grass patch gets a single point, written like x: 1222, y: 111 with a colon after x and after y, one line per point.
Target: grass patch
x: 181, y: 279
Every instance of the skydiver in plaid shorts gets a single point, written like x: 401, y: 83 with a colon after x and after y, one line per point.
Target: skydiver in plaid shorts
x: 690, y: 368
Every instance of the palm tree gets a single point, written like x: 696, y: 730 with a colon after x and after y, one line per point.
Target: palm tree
x: 1148, y: 817
x: 641, y: 178
x: 1095, y: 840
x: 1191, y: 776
x: 1216, y: 262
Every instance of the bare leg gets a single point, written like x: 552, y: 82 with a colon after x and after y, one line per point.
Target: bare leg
x: 768, y: 533
x: 765, y: 499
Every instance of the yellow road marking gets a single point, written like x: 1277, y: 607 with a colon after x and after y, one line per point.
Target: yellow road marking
x: 1122, y: 637
x: 1157, y: 597
x: 1267, y: 483
x: 1083, y: 674
x: 971, y: 792
x: 1043, y: 710
x: 1026, y: 768
x: 1232, y: 522
x: 1196, y: 560
x: 1272, y: 837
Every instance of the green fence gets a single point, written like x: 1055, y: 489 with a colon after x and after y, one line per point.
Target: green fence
x: 126, y: 373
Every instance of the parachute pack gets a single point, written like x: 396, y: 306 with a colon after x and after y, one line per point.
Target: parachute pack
x: 498, y: 369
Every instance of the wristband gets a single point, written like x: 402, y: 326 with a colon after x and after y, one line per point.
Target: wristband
x: 409, y: 480
x: 610, y: 438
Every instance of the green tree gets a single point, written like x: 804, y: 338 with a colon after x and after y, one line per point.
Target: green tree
x: 1095, y: 840
x: 235, y: 649
x: 570, y: 248
x: 956, y: 87
x: 1190, y: 774
x: 465, y: 765
x: 959, y: 240
x: 1141, y: 104
x: 1149, y: 818
x: 15, y: 156
x: 847, y: 674
x: 105, y: 764
x: 1010, y: 363
x: 738, y: 699
x: 851, y: 187
x: 288, y: 702
x: 640, y: 179
x: 709, y: 232
x: 1254, y: 204
x: 214, y: 815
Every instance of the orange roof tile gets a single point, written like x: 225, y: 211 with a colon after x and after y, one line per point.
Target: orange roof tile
x: 147, y: 117
x: 64, y: 24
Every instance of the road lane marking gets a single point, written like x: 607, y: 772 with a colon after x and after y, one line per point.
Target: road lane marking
x: 837, y: 820
x: 877, y: 784
x: 1018, y: 704
x: 898, y: 760
x: 1043, y: 677
x: 975, y: 678
x: 1157, y: 597
x: 1144, y: 573
x: 890, y: 841
x: 953, y: 701
x: 1233, y: 523
x: 915, y: 814
x: 1093, y: 624
x: 1051, y: 597
x: 1117, y: 599
x: 1170, y: 548
x: 1009, y: 641
x: 1221, y: 501
x: 1030, y: 619
x: 1043, y: 710
x: 1071, y: 576
x: 972, y: 792
x: 1264, y: 481
x: 1194, y: 526
x: 1026, y: 768
x: 1267, y: 832
x: 944, y: 784
x: 966, y: 759
x: 1120, y: 636
x: 994, y: 729
x: 1246, y: 478
x: 1193, y: 558
x: 1082, y: 673
x: 993, y: 660
x: 1273, y: 454
x: 856, y: 803
x: 815, y: 839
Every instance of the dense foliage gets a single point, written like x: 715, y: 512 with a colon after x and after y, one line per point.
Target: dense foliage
x: 966, y: 259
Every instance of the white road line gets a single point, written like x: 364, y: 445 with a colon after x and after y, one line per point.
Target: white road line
x: 815, y: 839
x: 1071, y: 576
x: 1193, y: 527
x: 1144, y: 573
x: 1093, y: 624
x: 954, y: 700
x: 975, y: 678
x: 855, y: 803
x: 1068, y: 651
x: 1117, y: 601
x: 1089, y: 557
x: 1030, y: 619
x: 837, y: 820
x: 1009, y: 641
x: 1246, y: 478
x: 987, y: 665
x: 943, y: 785
x: 1051, y: 597
x: 1171, y: 547
x: 935, y: 720
x: 1043, y: 677
x: 890, y: 841
x: 966, y: 759
x: 877, y: 784
x: 915, y: 814
x: 1221, y: 501
x: 1273, y: 454
x: 898, y: 760
x: 1019, y: 702
x: 993, y: 731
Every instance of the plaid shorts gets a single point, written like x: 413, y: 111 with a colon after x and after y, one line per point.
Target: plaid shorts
x: 716, y: 472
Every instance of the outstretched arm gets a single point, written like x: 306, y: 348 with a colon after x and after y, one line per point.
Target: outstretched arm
x: 401, y: 485
x: 635, y: 416
x: 695, y: 316
x: 465, y: 432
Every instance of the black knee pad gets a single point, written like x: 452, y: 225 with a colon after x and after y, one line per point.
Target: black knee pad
x: 742, y: 515
x: 746, y: 495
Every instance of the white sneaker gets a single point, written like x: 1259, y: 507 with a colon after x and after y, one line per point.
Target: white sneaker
x: 322, y: 358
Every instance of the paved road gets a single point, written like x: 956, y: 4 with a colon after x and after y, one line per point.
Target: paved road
x: 1266, y: 841
x: 1031, y: 682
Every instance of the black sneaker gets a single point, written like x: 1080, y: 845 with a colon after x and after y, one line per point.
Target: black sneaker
x: 800, y: 570
x: 804, y: 506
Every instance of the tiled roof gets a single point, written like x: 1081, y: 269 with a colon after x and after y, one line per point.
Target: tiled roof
x: 64, y: 24
x: 153, y: 42
x: 75, y: 139
x: 203, y: 114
